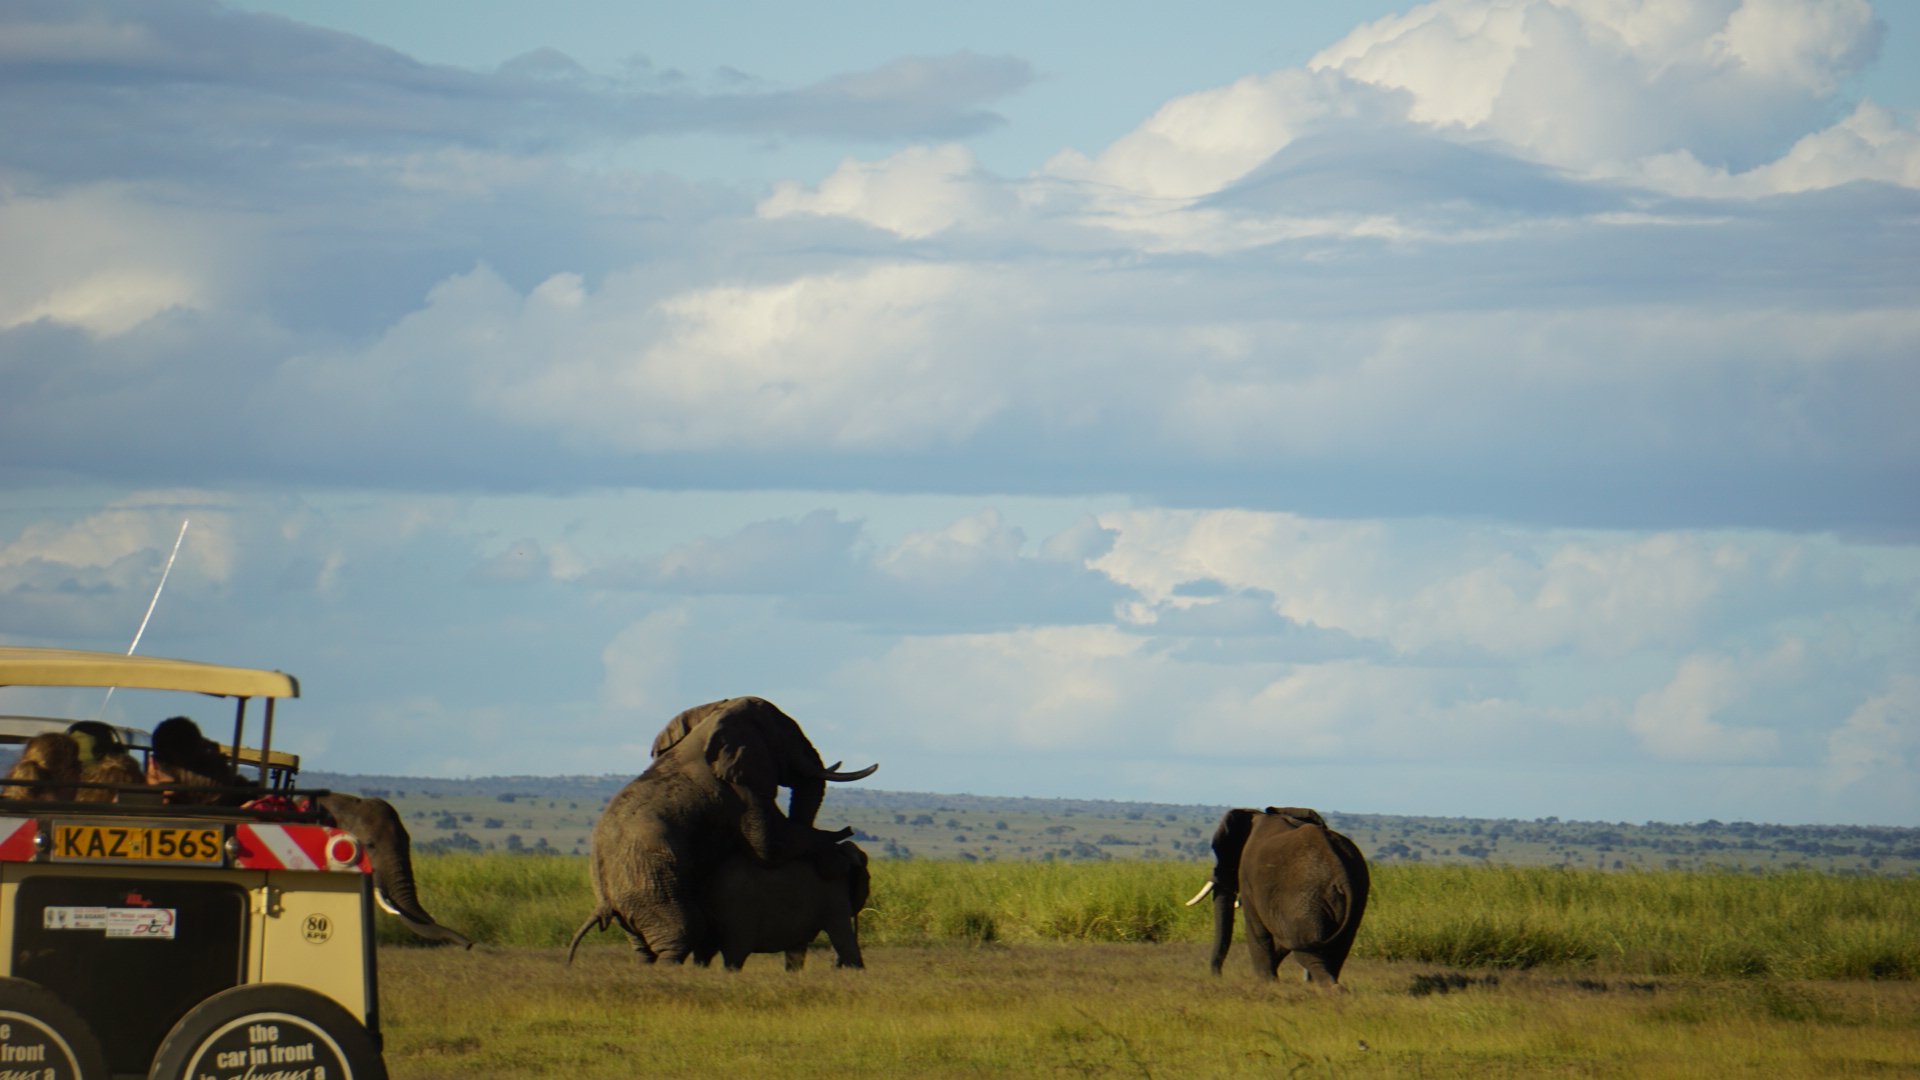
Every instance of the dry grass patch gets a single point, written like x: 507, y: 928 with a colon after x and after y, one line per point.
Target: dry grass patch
x: 1793, y: 925
x: 1111, y: 1010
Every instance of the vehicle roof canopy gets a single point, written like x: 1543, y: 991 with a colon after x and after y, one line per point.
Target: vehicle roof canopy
x: 20, y: 666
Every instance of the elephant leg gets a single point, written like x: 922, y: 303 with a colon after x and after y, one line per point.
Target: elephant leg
x: 633, y: 934
x: 796, y: 959
x: 1320, y: 974
x: 846, y: 944
x: 1265, y: 952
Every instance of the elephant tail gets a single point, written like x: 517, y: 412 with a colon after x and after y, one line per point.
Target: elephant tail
x: 596, y: 921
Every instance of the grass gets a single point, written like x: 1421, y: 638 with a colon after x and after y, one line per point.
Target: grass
x: 1099, y: 970
x: 1148, y: 1011
x: 1798, y: 925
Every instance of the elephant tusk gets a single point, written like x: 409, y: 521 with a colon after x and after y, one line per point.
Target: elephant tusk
x: 835, y: 774
x: 1204, y: 890
x: 380, y: 896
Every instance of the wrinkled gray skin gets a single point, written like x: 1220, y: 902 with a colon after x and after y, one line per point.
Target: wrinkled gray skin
x: 711, y: 794
x: 1302, y: 889
x: 758, y: 909
x: 389, y: 849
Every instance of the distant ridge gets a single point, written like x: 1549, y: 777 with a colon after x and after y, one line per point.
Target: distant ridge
x: 604, y: 787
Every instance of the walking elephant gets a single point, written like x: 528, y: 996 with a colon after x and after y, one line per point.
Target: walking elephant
x: 1301, y: 887
x: 389, y: 849
x: 711, y: 794
x: 758, y: 909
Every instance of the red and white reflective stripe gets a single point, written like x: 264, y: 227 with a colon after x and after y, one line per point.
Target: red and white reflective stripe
x: 17, y: 835
x: 297, y: 847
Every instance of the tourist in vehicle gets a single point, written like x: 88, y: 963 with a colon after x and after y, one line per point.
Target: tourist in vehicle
x: 184, y: 761
x: 103, y: 760
x: 48, y: 762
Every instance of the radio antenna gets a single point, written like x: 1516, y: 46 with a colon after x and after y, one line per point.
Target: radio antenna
x: 151, y: 604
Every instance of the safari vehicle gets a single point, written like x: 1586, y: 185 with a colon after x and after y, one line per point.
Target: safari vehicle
x: 172, y: 941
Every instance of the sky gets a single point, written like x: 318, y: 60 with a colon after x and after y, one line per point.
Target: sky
x: 1487, y: 407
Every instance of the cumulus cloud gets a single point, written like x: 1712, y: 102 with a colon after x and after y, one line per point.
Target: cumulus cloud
x: 1606, y: 596
x: 1372, y: 283
x: 1586, y: 84
x: 915, y: 194
x: 1882, y: 735
x: 1682, y: 721
x: 1145, y: 638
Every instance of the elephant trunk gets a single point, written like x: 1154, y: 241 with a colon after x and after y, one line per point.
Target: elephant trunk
x: 389, y: 849
x: 1223, y: 911
x: 804, y: 806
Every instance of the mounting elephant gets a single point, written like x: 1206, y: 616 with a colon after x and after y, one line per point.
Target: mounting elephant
x: 1301, y: 886
x: 710, y: 794
x: 389, y: 849
x: 781, y: 909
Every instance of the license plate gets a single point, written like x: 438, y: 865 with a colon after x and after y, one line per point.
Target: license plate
x: 137, y: 844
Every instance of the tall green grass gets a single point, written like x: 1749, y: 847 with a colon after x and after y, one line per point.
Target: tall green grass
x: 1793, y: 925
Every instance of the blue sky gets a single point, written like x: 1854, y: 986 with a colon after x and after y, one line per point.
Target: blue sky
x: 1493, y: 407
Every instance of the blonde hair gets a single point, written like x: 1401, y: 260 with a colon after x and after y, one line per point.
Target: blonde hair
x: 46, y: 761
x: 112, y: 769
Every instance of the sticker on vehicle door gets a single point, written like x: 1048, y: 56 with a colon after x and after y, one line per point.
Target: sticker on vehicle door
x: 135, y: 922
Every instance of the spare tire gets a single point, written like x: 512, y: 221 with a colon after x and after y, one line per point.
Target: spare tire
x: 41, y: 1034
x: 264, y: 1028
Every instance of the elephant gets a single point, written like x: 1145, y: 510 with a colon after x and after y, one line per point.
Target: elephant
x: 1301, y: 886
x: 710, y: 794
x: 758, y: 909
x: 377, y: 826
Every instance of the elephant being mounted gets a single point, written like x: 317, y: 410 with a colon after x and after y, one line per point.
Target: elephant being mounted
x: 711, y: 794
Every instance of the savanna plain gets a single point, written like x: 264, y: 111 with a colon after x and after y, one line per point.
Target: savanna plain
x: 1098, y: 969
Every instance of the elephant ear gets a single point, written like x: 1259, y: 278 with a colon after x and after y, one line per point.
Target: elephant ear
x: 1298, y: 815
x: 1228, y: 840
x: 736, y: 748
x: 681, y: 726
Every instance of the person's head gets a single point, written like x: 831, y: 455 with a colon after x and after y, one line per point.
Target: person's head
x: 97, y: 740
x: 48, y: 760
x: 184, y: 758
x: 112, y: 769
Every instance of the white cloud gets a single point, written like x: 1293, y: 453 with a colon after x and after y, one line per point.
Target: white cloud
x: 119, y: 543
x: 1043, y: 688
x: 1870, y: 144
x: 1201, y: 142
x: 1686, y: 720
x: 104, y: 260
x: 855, y: 360
x: 1495, y: 594
x: 915, y: 193
x: 1588, y: 84
x: 1881, y: 736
